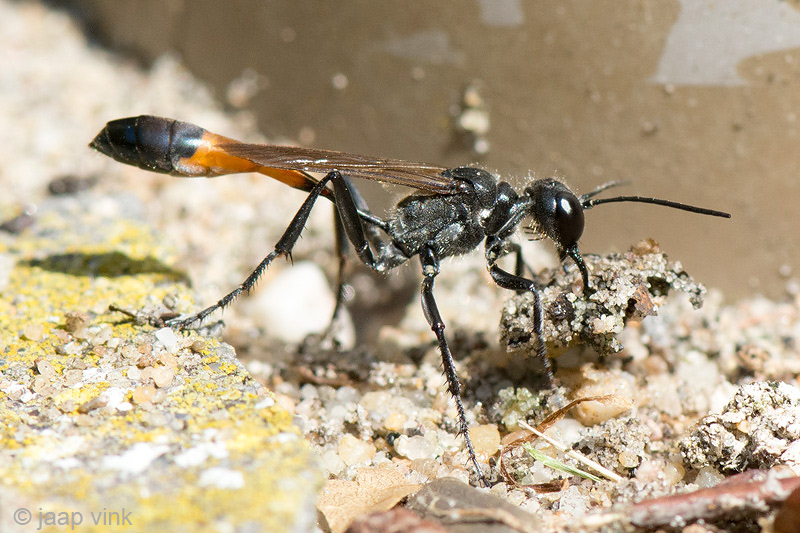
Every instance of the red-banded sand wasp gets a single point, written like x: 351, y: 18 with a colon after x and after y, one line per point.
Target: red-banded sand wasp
x: 454, y: 211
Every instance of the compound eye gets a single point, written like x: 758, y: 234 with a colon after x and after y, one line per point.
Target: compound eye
x: 568, y: 218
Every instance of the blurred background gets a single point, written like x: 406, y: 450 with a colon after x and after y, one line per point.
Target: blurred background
x: 689, y: 100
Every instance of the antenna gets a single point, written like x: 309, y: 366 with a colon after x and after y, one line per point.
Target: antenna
x: 587, y: 202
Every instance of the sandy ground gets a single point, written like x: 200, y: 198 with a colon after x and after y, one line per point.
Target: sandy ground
x: 698, y: 394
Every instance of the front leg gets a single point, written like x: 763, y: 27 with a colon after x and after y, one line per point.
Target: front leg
x: 520, y: 266
x: 517, y: 283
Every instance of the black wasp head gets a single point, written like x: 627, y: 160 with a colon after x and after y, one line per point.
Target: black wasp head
x: 558, y: 214
x: 556, y: 211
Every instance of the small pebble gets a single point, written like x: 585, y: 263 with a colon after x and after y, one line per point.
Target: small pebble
x: 146, y: 360
x: 114, y: 396
x: 158, y: 396
x: 628, y: 459
x: 102, y: 352
x: 33, y: 332
x: 430, y: 468
x: 347, y: 394
x: 168, y: 360
x: 650, y: 470
x: 67, y: 406
x: 102, y: 336
x: 45, y: 368
x: 591, y: 413
x: 70, y: 348
x: 61, y: 335
x: 163, y: 376
x: 355, y: 451
x: 371, y: 401
x: 134, y: 373
x: 646, y: 246
x: 143, y: 394
x: 19, y: 393
x: 332, y: 462
x: 572, y: 503
x: 168, y: 338
x: 198, y: 346
x: 708, y: 477
x: 601, y: 384
x: 76, y: 363
x: 395, y: 421
x: 285, y: 401
x: 76, y: 323
x: 674, y: 472
x: 606, y: 324
x: 95, y: 403
x: 416, y: 447
x: 128, y: 351
x: 485, y: 439
x: 41, y: 385
x: 147, y: 373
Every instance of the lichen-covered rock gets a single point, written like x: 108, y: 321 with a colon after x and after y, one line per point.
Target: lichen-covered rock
x: 101, y: 414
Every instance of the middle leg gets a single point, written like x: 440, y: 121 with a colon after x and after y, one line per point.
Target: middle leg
x: 430, y: 269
